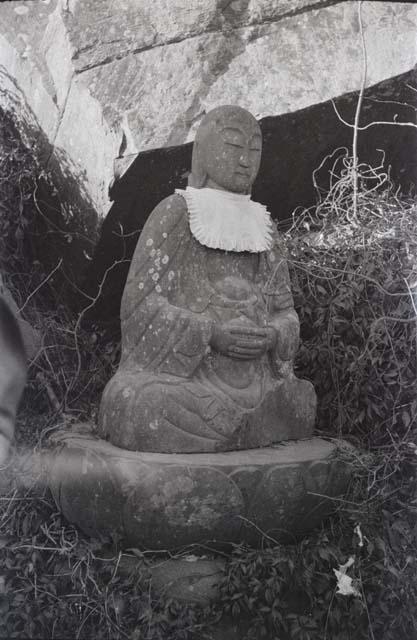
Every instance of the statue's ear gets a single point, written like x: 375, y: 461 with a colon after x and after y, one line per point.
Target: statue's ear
x: 198, y: 175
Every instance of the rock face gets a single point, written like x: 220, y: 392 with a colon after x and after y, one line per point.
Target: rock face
x: 118, y: 77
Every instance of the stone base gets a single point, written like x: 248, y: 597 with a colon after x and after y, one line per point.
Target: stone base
x: 165, y: 501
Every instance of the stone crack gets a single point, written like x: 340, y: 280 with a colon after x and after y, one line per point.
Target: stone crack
x: 213, y: 30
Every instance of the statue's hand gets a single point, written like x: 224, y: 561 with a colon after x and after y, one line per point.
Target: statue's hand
x: 242, y: 342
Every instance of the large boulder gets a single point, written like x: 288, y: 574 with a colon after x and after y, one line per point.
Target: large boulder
x: 106, y: 78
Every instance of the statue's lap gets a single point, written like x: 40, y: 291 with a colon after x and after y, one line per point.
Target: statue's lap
x: 141, y: 411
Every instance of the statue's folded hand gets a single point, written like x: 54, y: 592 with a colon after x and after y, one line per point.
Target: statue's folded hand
x: 241, y: 341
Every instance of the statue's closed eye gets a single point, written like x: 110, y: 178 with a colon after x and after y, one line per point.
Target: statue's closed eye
x: 241, y: 146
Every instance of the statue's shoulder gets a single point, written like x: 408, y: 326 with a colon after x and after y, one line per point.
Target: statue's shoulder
x: 167, y: 215
x: 170, y: 209
x: 166, y: 223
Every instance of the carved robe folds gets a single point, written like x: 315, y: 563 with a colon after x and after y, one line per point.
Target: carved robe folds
x: 172, y: 392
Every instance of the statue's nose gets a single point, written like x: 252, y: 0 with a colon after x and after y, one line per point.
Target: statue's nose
x: 244, y: 159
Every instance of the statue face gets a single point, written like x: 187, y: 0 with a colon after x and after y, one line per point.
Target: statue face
x: 232, y: 156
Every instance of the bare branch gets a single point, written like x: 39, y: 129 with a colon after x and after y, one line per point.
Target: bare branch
x: 372, y: 124
x: 357, y: 115
x: 44, y: 281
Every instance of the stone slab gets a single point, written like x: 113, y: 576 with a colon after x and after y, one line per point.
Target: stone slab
x: 166, y: 501
x: 187, y: 578
x: 191, y: 579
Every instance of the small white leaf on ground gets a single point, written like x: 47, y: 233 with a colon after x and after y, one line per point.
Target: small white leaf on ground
x: 191, y: 558
x: 345, y: 584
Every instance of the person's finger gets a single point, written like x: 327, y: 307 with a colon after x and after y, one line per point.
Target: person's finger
x: 244, y: 351
x: 248, y: 331
x: 241, y: 356
x: 250, y: 344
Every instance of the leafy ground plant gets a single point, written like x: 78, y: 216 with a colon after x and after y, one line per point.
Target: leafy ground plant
x: 355, y: 284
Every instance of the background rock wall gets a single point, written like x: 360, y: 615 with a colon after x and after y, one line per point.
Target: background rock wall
x: 295, y: 145
x: 108, y: 78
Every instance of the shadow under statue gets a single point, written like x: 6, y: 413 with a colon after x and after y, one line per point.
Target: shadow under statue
x: 205, y: 433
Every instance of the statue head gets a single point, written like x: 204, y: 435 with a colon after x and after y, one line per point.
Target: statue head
x: 227, y: 150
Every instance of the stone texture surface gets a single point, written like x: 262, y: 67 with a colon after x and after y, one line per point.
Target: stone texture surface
x: 87, y: 69
x: 208, y: 334
x: 188, y: 579
x: 165, y: 501
x: 170, y: 509
x: 98, y: 40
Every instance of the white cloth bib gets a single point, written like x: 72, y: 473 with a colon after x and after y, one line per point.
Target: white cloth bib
x: 228, y: 221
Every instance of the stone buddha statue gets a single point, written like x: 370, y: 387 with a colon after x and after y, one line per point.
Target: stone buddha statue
x: 209, y: 330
